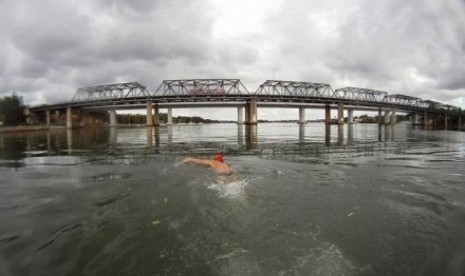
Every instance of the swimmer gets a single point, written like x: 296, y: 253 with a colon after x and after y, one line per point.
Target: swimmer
x: 221, y: 168
x: 217, y: 163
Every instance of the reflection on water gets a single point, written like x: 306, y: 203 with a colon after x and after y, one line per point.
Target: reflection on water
x: 309, y: 199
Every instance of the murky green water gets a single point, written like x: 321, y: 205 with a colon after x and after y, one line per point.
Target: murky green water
x: 309, y: 201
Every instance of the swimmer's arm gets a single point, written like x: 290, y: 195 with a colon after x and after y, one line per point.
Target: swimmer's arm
x: 204, y: 163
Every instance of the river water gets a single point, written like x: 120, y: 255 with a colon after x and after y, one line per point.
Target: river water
x: 313, y: 200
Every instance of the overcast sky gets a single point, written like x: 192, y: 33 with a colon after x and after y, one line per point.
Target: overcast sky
x: 50, y: 48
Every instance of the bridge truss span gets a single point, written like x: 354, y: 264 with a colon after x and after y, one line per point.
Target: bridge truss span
x: 201, y: 87
x: 404, y: 100
x: 109, y: 92
x: 295, y: 89
x: 360, y: 94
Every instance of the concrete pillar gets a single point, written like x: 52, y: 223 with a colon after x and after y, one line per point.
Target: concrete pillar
x: 327, y: 114
x: 393, y: 117
x: 149, y: 138
x: 156, y: 116
x: 425, y: 120
x: 149, y: 114
x: 47, y: 117
x: 414, y: 118
x: 350, y: 116
x: 240, y: 136
x: 327, y: 134
x: 169, y: 120
x: 302, y: 116
x: 340, y: 113
x: 380, y: 116
x: 301, y: 133
x: 350, y: 134
x: 340, y: 134
x: 251, y: 140
x: 240, y: 111
x: 113, y: 121
x: 113, y: 136
x: 252, y: 106
x: 69, y: 139
x: 446, y: 118
x: 69, y: 118
x: 387, y: 117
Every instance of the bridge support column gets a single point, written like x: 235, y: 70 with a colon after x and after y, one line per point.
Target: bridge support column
x: 340, y: 113
x: 149, y: 114
x: 113, y: 121
x: 350, y: 116
x: 251, y: 112
x: 425, y: 120
x: 414, y: 118
x: 69, y: 117
x: 446, y: 119
x: 327, y: 114
x: 156, y: 116
x: 387, y: 117
x: 47, y: 117
x: 393, y: 117
x: 240, y: 112
x: 169, y: 119
x: 302, y: 116
x: 380, y: 116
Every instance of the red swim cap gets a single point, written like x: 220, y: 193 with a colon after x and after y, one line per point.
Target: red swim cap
x: 219, y: 157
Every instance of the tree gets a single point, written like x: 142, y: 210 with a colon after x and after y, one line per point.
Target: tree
x: 11, y: 110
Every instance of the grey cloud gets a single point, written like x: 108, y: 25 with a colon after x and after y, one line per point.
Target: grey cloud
x: 53, y: 47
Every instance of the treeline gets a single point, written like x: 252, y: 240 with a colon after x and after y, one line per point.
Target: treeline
x: 140, y: 119
x: 11, y: 110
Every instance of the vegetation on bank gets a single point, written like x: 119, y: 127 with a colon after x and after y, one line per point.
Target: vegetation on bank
x: 11, y: 110
x: 163, y: 117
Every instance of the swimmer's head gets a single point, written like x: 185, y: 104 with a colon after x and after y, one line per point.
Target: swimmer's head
x: 219, y: 157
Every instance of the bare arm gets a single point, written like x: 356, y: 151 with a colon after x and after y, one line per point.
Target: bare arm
x: 204, y: 163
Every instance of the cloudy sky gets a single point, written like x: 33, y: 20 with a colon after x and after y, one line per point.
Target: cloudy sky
x: 50, y: 48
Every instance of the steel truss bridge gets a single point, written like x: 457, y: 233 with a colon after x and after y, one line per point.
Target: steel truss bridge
x: 231, y: 92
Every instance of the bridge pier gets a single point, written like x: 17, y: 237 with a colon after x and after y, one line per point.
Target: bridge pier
x: 149, y: 114
x: 169, y: 119
x: 69, y: 117
x: 340, y: 113
x: 387, y: 117
x: 251, y: 112
x: 350, y: 116
x: 47, y: 117
x: 327, y: 114
x: 425, y: 120
x: 380, y: 116
x: 113, y: 121
x: 156, y: 115
x: 302, y: 115
x: 240, y: 112
x: 446, y: 118
x: 393, y: 117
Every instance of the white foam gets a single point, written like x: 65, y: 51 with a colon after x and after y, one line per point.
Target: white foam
x: 231, y: 189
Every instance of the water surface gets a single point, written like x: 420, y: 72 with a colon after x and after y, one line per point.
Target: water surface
x: 357, y: 200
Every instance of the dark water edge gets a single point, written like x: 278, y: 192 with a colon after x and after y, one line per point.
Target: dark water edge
x: 106, y: 202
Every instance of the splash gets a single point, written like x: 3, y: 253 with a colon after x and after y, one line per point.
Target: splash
x: 224, y: 188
